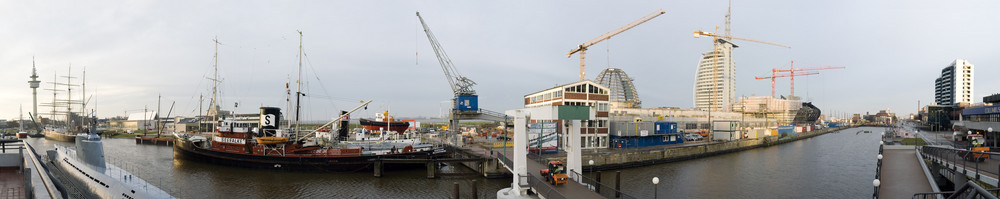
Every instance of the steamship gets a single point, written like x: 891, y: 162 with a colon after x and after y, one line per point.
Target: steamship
x: 239, y: 144
x: 384, y: 122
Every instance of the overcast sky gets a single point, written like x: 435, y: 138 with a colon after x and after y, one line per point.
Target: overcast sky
x: 360, y: 50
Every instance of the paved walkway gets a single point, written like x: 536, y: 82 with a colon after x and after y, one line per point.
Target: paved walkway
x: 570, y: 189
x: 902, y: 175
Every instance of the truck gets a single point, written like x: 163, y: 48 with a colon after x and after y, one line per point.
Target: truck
x: 976, y: 152
x: 555, y: 174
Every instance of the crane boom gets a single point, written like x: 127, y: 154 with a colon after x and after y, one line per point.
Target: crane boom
x: 774, y: 76
x: 460, y: 85
x: 699, y: 33
x: 582, y: 48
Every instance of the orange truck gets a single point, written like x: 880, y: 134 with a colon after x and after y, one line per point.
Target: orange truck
x: 555, y: 174
x: 976, y: 152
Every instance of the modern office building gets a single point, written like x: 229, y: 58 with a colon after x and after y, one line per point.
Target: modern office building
x: 955, y: 84
x: 715, y: 79
x: 593, y: 133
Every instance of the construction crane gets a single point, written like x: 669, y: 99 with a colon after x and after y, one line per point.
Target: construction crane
x: 774, y: 75
x: 582, y: 48
x: 792, y: 69
x: 466, y: 102
x: 460, y: 85
x: 699, y: 33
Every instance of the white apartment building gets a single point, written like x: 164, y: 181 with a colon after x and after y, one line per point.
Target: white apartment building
x: 955, y: 84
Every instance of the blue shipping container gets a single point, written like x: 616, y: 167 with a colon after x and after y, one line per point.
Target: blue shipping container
x: 790, y: 130
x: 467, y: 103
x: 663, y: 128
x: 644, y: 141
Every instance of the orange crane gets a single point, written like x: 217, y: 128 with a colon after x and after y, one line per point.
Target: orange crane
x: 582, y: 48
x: 792, y: 69
x: 774, y: 76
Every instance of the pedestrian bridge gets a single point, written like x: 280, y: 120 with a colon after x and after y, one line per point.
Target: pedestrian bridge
x: 585, y: 187
x: 900, y: 179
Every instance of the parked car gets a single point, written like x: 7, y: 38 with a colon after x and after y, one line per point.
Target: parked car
x: 693, y: 137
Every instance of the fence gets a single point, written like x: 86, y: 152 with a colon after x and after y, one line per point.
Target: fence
x: 599, y: 188
x: 969, y: 190
x: 971, y: 161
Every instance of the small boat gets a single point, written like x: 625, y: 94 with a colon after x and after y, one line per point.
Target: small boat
x: 384, y: 122
x: 272, y: 140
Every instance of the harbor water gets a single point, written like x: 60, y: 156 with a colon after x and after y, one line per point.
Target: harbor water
x: 187, y: 179
x: 835, y: 165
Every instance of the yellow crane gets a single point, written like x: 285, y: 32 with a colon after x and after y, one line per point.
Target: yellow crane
x: 699, y: 33
x: 582, y: 48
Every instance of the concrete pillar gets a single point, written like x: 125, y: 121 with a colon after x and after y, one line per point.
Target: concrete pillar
x: 431, y: 169
x: 520, y: 156
x: 573, y: 150
x: 378, y: 168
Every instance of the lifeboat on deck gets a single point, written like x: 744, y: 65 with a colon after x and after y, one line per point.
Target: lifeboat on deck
x: 272, y: 140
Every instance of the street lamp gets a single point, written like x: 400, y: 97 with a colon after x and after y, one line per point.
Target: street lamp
x: 990, y: 130
x: 591, y: 162
x: 656, y: 181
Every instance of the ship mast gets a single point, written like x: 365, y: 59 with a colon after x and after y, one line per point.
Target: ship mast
x: 298, y: 90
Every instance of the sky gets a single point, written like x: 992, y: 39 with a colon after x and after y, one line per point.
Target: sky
x: 135, y: 51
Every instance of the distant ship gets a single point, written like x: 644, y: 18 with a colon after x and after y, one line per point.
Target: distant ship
x: 261, y: 144
x: 59, y: 134
x: 237, y: 144
x: 384, y: 122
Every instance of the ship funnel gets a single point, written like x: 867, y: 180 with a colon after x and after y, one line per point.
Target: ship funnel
x: 270, y: 117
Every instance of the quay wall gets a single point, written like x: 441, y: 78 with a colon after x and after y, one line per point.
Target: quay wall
x: 634, y: 158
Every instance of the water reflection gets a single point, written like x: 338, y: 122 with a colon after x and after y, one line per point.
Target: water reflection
x: 187, y: 179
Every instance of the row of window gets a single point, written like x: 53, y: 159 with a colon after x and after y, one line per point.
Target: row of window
x: 601, y: 106
x: 985, y: 118
x: 546, y: 96
x: 586, y: 88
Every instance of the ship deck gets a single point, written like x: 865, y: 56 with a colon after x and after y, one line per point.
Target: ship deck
x: 11, y: 183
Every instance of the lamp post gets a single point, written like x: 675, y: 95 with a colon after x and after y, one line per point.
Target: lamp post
x: 591, y: 162
x: 656, y: 181
x: 990, y: 130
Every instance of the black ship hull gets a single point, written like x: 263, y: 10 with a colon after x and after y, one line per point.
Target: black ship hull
x: 188, y: 151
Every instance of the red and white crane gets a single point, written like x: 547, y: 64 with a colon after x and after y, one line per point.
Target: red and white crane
x: 791, y: 73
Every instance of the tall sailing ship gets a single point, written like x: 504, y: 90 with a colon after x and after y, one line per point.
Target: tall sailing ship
x: 263, y: 144
x: 72, y: 124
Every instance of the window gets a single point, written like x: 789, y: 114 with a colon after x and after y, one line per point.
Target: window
x: 691, y: 126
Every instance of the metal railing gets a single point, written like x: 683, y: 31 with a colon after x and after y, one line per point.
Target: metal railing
x: 969, y: 190
x: 543, y: 189
x: 878, y: 171
x: 599, y: 188
x: 506, y: 161
x: 970, y: 161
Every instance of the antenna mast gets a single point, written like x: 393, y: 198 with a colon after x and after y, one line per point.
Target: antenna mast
x: 298, y: 90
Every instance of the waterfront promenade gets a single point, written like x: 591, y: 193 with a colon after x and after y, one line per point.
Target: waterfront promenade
x: 902, y: 174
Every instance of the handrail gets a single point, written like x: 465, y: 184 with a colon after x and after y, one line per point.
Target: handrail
x: 599, y: 188
x: 969, y: 190
x: 40, y: 170
x: 970, y: 161
x: 544, y: 189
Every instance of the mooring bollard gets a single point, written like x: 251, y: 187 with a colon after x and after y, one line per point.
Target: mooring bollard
x: 456, y: 190
x: 598, y: 188
x: 618, y: 184
x: 475, y: 191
